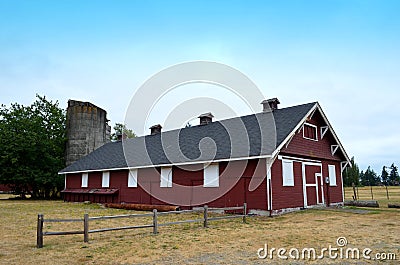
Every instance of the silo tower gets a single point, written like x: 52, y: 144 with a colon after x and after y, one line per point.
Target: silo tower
x: 87, y: 129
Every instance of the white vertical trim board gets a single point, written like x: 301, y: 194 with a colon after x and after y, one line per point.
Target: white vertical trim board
x: 287, y: 173
x: 321, y: 179
x: 332, y: 175
x: 211, y: 176
x: 269, y: 163
x: 132, y: 178
x: 85, y: 177
x: 105, y: 179
x: 303, y: 176
x: 166, y: 177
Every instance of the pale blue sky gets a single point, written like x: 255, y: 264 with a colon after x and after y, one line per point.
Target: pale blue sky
x: 344, y: 54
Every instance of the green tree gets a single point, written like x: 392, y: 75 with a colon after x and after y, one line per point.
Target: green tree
x: 32, y: 147
x: 351, y: 174
x: 394, y: 175
x: 120, y: 129
x: 369, y: 177
x: 385, y: 176
x: 362, y: 178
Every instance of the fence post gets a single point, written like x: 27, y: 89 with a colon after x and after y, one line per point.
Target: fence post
x: 372, y: 194
x: 155, y: 224
x: 387, y: 192
x: 358, y: 195
x: 205, y: 224
x: 86, y: 227
x: 39, y: 243
x: 244, y: 212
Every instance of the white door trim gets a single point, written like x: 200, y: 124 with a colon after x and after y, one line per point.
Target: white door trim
x: 305, y: 185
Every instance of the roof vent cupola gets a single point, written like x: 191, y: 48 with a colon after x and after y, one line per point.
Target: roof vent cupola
x: 206, y: 118
x: 270, y: 104
x: 155, y: 129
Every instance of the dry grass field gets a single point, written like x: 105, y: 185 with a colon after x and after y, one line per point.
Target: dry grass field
x: 378, y: 193
x: 224, y: 242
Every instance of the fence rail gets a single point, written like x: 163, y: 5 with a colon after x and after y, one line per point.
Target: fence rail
x: 86, y: 219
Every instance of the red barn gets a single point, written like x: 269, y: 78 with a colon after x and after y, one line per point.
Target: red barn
x: 277, y: 160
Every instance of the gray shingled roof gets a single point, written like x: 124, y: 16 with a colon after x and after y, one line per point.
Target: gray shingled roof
x: 199, y: 143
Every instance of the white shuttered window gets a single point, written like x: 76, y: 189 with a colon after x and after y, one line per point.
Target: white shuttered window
x: 332, y: 175
x: 85, y: 177
x: 132, y: 178
x: 287, y: 173
x: 211, y: 176
x: 105, y: 180
x: 166, y: 177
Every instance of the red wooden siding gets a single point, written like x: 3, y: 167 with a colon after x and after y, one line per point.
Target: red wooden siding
x: 335, y: 192
x: 232, y: 179
x: 4, y: 188
x: 320, y: 149
x: 95, y: 179
x: 286, y: 196
x: 256, y: 199
x: 74, y: 181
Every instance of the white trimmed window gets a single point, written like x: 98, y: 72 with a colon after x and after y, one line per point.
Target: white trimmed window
x: 310, y: 132
x: 211, y: 176
x: 85, y: 177
x: 287, y: 173
x: 166, y: 177
x: 332, y: 175
x: 105, y: 180
x: 132, y: 178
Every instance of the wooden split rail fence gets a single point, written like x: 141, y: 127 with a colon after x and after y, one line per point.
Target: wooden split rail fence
x: 86, y: 231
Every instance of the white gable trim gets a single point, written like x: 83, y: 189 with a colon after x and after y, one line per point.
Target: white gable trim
x: 333, y: 133
x: 334, y: 148
x: 300, y: 125
x: 324, y: 130
x: 343, y: 165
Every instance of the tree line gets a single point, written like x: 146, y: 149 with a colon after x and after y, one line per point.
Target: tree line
x: 389, y: 176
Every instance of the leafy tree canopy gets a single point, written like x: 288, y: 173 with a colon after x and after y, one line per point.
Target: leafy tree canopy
x: 369, y: 178
x: 120, y: 129
x: 32, y: 145
x: 351, y: 174
x: 384, y: 176
x: 394, y: 178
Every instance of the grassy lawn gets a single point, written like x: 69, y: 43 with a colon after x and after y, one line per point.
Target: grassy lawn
x: 225, y: 242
